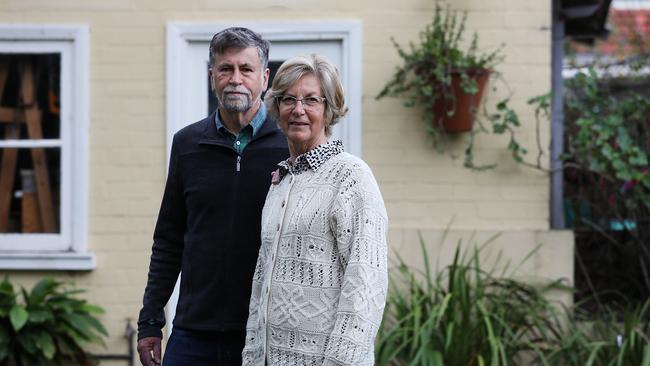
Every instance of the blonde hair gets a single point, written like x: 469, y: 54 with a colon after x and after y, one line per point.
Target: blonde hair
x: 293, y: 69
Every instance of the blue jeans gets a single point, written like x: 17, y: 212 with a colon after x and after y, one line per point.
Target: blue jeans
x: 204, y: 348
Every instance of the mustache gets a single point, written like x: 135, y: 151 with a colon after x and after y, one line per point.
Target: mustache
x: 236, y: 89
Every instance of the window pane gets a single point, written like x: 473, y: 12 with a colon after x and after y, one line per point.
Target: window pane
x: 30, y: 190
x: 29, y: 96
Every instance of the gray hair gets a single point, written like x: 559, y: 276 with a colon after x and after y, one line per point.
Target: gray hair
x: 326, y: 73
x: 239, y: 37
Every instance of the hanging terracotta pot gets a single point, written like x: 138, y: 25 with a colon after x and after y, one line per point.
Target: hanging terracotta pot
x: 464, y: 106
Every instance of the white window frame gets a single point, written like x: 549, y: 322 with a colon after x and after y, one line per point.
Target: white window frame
x: 348, y: 32
x: 66, y: 250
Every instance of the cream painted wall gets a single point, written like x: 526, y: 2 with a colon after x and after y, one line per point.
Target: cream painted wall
x: 422, y: 189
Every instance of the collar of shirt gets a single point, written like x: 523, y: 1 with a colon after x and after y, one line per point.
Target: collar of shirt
x: 312, y: 159
x: 247, y: 133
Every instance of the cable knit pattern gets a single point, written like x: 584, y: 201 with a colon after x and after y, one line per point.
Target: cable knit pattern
x: 320, y: 282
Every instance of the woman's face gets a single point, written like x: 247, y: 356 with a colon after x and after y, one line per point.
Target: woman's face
x: 304, y: 122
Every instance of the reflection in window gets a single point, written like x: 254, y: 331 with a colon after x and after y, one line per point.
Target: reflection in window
x: 30, y: 159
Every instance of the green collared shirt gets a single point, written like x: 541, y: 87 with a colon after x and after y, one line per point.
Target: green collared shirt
x: 246, y: 134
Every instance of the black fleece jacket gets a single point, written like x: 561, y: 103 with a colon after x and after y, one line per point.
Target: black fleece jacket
x: 208, y: 228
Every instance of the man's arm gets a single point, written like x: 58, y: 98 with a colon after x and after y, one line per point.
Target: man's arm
x: 165, y: 264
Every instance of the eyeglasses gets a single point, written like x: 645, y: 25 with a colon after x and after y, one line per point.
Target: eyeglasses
x: 290, y: 102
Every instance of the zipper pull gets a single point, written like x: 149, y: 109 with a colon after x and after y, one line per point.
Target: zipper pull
x: 238, y: 162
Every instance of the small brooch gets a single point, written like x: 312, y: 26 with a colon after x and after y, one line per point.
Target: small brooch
x: 275, y: 177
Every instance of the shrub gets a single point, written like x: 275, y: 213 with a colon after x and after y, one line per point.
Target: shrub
x: 46, y: 325
x: 465, y: 316
x: 613, y: 337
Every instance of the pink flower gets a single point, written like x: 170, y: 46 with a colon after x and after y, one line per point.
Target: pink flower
x: 275, y: 176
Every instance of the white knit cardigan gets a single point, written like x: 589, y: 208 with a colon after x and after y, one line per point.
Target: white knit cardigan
x: 320, y: 282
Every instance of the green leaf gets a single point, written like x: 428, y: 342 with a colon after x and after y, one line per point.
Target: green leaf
x: 640, y: 159
x: 40, y: 315
x: 26, y: 341
x: 45, y: 343
x: 646, y: 355
x: 43, y: 288
x: 512, y: 118
x: 427, y: 90
x: 646, y: 180
x: 623, y: 139
x: 7, y: 297
x: 74, y: 334
x: 6, y: 288
x: 5, y: 342
x: 96, y: 324
x: 92, y: 309
x: 4, y: 351
x: 608, y: 152
x: 498, y: 128
x: 84, y: 325
x: 18, y: 317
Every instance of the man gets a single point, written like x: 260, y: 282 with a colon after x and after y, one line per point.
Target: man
x: 208, y: 228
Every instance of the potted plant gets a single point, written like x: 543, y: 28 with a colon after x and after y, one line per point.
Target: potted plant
x: 448, y: 81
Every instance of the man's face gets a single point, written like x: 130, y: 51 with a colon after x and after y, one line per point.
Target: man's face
x: 238, y: 79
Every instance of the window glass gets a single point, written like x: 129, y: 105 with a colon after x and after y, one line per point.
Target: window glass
x: 30, y: 169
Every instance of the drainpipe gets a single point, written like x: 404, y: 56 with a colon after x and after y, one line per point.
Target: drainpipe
x: 129, y: 334
x: 557, y: 118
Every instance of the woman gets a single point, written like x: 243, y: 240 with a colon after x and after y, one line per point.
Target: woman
x: 320, y: 283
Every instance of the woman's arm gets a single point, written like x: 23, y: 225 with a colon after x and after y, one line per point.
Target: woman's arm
x: 359, y: 222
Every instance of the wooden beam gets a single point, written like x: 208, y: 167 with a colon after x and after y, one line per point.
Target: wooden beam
x: 7, y: 173
x: 8, y: 162
x: 30, y: 213
x: 4, y: 71
x: 9, y: 115
x: 35, y: 132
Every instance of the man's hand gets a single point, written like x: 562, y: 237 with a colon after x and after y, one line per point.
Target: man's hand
x: 149, y: 350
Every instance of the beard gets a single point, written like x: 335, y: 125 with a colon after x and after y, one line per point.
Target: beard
x: 240, y: 102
